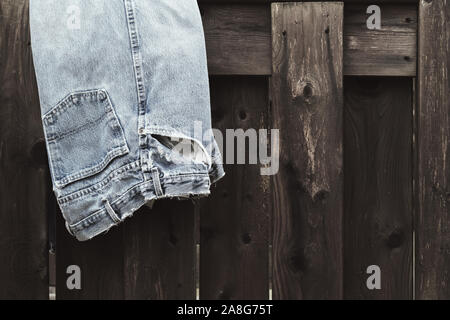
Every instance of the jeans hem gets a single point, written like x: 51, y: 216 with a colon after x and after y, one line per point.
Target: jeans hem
x: 133, y: 199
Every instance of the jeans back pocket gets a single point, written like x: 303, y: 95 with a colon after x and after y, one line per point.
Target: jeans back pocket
x: 83, y: 136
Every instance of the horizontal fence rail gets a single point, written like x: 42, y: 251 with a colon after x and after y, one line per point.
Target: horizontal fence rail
x: 238, y: 39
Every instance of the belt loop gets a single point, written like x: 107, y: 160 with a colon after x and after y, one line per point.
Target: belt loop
x: 157, y: 182
x: 111, y: 212
x: 146, y: 163
x: 145, y: 160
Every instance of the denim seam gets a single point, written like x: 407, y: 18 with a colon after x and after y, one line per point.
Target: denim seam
x: 100, y: 185
x: 116, y: 152
x: 64, y: 104
x: 94, y: 217
x: 111, y: 212
x: 81, y: 194
x: 130, y: 6
x: 157, y: 182
x: 90, y: 124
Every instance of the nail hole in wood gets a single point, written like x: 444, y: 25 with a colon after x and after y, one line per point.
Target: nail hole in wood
x: 246, y: 238
x: 395, y: 239
x: 242, y: 115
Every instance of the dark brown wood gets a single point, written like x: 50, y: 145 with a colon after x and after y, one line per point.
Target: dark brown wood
x: 390, y: 51
x: 378, y: 186
x: 238, y: 40
x: 235, y: 219
x: 150, y: 256
x: 160, y: 253
x: 23, y: 166
x: 433, y: 180
x: 307, y: 95
x: 100, y: 261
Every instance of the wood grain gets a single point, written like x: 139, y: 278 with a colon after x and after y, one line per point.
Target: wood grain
x: 235, y: 219
x: 151, y: 256
x: 389, y: 51
x: 160, y: 252
x: 100, y: 261
x: 23, y: 163
x: 307, y: 85
x: 433, y: 179
x: 238, y: 40
x: 378, y: 186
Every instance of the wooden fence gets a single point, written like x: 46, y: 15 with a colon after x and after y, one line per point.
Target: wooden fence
x: 364, y: 165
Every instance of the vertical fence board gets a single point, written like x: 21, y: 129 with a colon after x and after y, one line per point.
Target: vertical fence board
x: 23, y: 168
x: 307, y: 103
x: 378, y: 186
x: 150, y: 256
x: 160, y: 252
x: 100, y: 261
x: 235, y: 219
x: 433, y: 180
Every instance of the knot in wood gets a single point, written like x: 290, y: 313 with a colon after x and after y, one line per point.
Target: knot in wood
x: 305, y: 90
x: 396, y: 239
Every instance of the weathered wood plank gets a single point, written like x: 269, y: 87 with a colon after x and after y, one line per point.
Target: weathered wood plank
x: 307, y: 85
x: 433, y: 180
x: 378, y: 186
x: 23, y: 164
x: 238, y: 39
x: 390, y: 51
x: 100, y: 261
x: 160, y: 252
x: 151, y: 256
x: 235, y: 219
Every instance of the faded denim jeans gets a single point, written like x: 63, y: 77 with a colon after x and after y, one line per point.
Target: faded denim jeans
x: 123, y: 87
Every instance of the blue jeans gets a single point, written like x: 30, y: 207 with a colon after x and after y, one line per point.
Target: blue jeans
x: 125, y: 103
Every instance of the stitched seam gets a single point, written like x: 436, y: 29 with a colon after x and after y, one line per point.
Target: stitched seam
x: 87, y: 125
x: 67, y: 102
x: 156, y: 181
x: 111, y: 212
x: 93, y: 169
x: 95, y: 217
x: 100, y: 185
x: 130, y: 192
x: 79, y: 195
x: 138, y: 70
